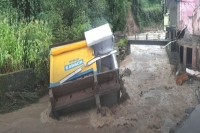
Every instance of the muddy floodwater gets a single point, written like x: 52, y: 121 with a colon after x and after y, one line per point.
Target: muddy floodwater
x: 156, y: 103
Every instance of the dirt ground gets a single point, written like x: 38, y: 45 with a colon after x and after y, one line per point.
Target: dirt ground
x: 156, y: 103
x: 131, y: 26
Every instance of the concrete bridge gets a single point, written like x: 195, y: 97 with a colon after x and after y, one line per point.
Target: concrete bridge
x: 146, y: 39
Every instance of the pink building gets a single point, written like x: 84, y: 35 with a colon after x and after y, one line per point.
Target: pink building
x: 186, y: 11
x: 188, y: 14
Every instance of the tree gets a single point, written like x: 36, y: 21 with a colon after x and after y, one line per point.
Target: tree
x: 117, y: 13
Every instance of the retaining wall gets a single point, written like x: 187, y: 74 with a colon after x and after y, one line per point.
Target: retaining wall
x: 24, y: 79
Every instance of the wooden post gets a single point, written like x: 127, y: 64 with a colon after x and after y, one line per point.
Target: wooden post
x: 128, y: 48
x: 96, y: 89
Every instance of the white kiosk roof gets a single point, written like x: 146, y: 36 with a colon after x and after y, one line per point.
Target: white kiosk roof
x: 98, y: 34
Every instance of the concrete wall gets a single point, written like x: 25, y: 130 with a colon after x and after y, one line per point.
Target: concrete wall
x: 24, y: 79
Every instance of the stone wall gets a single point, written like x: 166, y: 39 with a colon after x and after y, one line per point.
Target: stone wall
x: 21, y: 80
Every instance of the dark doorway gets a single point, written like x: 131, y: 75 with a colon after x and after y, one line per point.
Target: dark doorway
x: 181, y: 54
x: 174, y: 47
x: 189, y: 57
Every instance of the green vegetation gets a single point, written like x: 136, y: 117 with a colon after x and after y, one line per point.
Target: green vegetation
x: 147, y: 12
x: 121, y: 44
x: 28, y: 27
x: 24, y: 46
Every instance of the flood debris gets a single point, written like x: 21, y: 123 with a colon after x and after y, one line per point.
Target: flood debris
x: 126, y: 72
x: 189, y: 110
x: 193, y: 75
x: 181, y: 79
x: 147, y: 91
x: 192, y: 72
x: 124, y: 94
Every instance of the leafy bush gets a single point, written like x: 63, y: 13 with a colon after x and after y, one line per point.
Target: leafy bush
x: 25, y: 46
x: 121, y: 44
x: 11, y: 50
x: 36, y: 39
x: 28, y: 27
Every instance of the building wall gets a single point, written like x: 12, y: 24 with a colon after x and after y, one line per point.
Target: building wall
x: 196, y: 21
x: 173, y: 13
x: 172, y: 7
x: 186, y: 12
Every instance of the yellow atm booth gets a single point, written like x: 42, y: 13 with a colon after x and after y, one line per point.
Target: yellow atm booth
x: 67, y: 58
x: 74, y: 81
x: 71, y: 61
